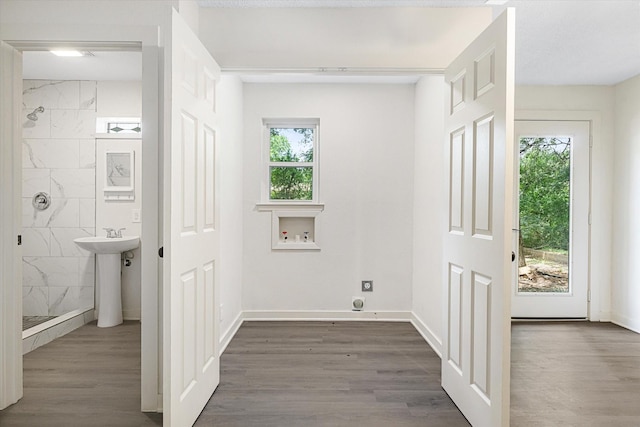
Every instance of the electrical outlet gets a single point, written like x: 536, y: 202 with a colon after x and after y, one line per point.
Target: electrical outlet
x: 367, y: 286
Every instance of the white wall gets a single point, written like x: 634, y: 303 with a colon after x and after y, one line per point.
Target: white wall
x: 429, y: 211
x: 121, y: 99
x: 625, y: 304
x: 366, y: 182
x: 117, y: 214
x: 597, y: 103
x: 230, y: 143
x: 82, y: 12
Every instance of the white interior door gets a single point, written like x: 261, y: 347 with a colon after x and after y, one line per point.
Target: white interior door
x: 191, y: 250
x: 555, y: 284
x: 10, y: 225
x: 477, y: 238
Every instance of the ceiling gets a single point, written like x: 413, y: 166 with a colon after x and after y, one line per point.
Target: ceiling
x: 101, y: 65
x: 559, y: 42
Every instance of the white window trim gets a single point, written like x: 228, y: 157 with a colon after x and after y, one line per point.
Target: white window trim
x: 269, y: 123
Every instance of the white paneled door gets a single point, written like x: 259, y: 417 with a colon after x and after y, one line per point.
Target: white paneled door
x: 477, y: 237
x: 191, y: 236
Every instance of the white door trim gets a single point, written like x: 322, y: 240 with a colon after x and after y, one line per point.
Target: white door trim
x: 152, y: 95
x: 598, y: 274
x: 10, y: 225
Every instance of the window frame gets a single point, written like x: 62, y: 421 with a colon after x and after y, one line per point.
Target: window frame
x: 270, y: 123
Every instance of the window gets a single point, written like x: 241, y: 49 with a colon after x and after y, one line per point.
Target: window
x: 292, y: 164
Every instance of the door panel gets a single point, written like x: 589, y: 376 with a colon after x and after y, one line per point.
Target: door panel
x: 191, y: 355
x: 572, y: 303
x: 477, y: 246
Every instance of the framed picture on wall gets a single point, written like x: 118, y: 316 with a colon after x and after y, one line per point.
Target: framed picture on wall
x: 119, y: 171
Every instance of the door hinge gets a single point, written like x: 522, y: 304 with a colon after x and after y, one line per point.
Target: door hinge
x: 589, y: 218
x: 589, y: 295
x: 19, y: 239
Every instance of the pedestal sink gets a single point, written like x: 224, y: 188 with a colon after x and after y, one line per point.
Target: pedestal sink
x: 108, y: 252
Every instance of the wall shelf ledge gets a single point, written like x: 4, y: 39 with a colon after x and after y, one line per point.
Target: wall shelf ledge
x: 270, y: 207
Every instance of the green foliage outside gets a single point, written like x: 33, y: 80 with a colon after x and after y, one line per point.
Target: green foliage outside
x: 544, y: 193
x: 291, y: 182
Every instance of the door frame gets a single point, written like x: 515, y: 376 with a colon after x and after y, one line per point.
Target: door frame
x: 152, y: 102
x: 10, y: 221
x: 573, y: 304
x: 594, y: 288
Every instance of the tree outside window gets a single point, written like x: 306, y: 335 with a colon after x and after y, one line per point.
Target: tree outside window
x: 292, y: 162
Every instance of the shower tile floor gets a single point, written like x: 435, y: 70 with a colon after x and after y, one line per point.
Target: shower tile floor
x: 31, y: 321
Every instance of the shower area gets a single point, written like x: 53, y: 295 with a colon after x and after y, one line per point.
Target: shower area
x: 58, y: 205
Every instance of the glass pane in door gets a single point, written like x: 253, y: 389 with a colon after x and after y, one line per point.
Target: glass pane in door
x: 545, y: 214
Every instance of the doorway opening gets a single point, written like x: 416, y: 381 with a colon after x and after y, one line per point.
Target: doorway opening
x: 63, y: 100
x: 551, y: 217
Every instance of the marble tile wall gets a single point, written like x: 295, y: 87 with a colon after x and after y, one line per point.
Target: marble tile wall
x: 58, y: 158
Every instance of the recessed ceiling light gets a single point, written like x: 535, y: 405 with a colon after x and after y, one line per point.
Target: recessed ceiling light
x: 66, y: 52
x: 496, y: 2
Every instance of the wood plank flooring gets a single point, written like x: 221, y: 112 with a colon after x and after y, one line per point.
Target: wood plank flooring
x: 574, y: 374
x: 337, y: 374
x: 329, y: 374
x: 89, y: 377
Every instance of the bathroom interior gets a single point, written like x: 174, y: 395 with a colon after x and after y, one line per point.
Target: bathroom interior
x: 78, y: 113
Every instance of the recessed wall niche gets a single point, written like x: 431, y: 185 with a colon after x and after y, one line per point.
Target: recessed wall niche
x: 293, y: 229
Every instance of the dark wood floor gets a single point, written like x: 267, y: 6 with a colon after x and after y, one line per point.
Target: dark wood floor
x: 329, y: 374
x: 574, y: 374
x: 342, y: 374
x: 89, y: 377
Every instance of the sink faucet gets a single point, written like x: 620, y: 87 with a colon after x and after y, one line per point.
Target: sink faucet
x: 111, y: 233
x: 119, y: 233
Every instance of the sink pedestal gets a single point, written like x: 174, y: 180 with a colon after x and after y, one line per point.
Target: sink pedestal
x: 110, y: 290
x: 108, y: 252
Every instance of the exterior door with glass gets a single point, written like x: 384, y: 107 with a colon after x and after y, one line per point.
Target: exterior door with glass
x: 551, y: 219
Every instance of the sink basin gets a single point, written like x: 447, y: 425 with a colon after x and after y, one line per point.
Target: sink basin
x: 109, y: 267
x: 104, y: 245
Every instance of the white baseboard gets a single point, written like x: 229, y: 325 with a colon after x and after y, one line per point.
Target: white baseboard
x: 226, y: 338
x: 319, y: 315
x: 626, y: 322
x: 603, y: 316
x: 428, y: 335
x: 131, y: 314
